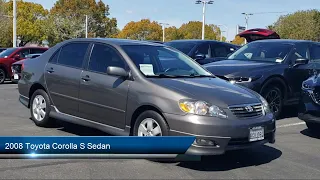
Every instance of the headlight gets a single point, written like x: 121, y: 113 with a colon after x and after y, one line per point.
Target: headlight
x: 306, y: 86
x: 201, y: 108
x: 234, y: 80
x: 265, y: 105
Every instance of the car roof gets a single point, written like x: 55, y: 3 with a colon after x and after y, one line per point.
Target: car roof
x: 114, y: 41
x: 292, y: 41
x: 198, y: 41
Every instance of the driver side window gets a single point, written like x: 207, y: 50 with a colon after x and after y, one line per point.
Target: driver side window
x: 203, y: 49
x: 23, y: 53
x: 299, y: 53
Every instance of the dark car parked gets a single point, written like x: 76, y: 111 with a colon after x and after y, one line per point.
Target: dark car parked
x: 274, y: 68
x: 204, y: 51
x: 124, y: 88
x: 17, y: 67
x: 309, y: 108
x: 2, y: 49
x: 12, y: 55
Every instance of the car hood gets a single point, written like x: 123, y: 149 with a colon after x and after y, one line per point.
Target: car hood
x: 237, y: 67
x: 212, y: 90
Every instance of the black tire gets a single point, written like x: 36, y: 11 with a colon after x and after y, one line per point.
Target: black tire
x: 3, y: 75
x: 46, y: 121
x: 275, y: 103
x: 313, y: 127
x: 156, y: 117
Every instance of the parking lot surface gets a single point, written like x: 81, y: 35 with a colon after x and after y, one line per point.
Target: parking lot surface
x: 295, y: 155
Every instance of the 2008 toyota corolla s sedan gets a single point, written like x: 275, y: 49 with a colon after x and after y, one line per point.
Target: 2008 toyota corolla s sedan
x: 127, y: 87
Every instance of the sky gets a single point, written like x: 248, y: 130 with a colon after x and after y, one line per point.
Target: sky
x: 224, y: 12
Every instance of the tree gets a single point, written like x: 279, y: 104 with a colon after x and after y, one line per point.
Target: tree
x: 30, y: 22
x: 238, y: 40
x: 5, y: 36
x: 193, y: 30
x: 67, y: 20
x: 299, y: 25
x: 142, y: 30
x: 173, y: 33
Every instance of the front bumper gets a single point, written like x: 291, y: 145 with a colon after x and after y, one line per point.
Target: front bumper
x: 309, y: 111
x: 226, y: 134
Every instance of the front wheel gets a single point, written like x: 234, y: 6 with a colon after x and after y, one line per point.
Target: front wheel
x: 274, y: 97
x: 40, y: 108
x: 150, y: 123
x: 2, y: 76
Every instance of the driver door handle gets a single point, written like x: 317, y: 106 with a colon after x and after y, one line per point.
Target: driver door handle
x: 50, y: 70
x: 85, y: 78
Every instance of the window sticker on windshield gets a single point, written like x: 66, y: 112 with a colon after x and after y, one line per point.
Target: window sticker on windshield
x: 147, y: 69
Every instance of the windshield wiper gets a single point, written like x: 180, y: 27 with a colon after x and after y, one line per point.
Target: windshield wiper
x: 201, y: 75
x: 160, y: 76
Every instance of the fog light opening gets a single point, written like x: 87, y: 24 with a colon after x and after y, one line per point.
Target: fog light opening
x: 205, y: 142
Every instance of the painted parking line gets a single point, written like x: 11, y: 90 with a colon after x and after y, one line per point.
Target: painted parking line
x: 293, y: 124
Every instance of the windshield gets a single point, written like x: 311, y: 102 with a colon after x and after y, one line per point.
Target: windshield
x: 159, y: 61
x: 184, y: 47
x: 6, y: 53
x: 269, y: 52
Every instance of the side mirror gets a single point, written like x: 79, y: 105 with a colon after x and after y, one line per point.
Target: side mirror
x: 301, y: 61
x: 16, y: 57
x: 200, y: 57
x: 117, y: 71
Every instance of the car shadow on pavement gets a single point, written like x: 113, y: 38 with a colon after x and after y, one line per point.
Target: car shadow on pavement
x: 235, y: 159
x: 79, y: 130
x: 289, y: 112
x: 311, y: 134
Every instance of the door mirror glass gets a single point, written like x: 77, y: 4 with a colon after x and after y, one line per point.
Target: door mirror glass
x: 301, y: 61
x: 117, y: 71
x: 199, y: 57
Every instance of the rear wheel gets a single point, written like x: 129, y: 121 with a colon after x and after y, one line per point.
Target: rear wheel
x: 2, y: 76
x: 150, y: 123
x: 314, y: 127
x: 274, y: 97
x: 40, y: 108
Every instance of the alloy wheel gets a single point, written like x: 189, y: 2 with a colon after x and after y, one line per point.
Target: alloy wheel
x: 274, y: 99
x: 39, y: 108
x: 149, y: 127
x: 2, y: 76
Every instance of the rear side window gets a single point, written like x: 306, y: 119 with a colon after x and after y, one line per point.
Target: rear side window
x: 102, y: 57
x: 37, y: 51
x: 73, y: 54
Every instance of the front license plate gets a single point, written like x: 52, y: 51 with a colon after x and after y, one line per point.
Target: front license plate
x: 256, y: 134
x: 15, y: 76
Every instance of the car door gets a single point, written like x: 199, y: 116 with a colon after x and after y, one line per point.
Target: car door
x: 103, y: 97
x: 295, y: 74
x: 62, y: 75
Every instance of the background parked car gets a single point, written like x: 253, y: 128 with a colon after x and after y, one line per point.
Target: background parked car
x: 2, y: 49
x: 12, y: 55
x: 309, y: 108
x: 204, y: 51
x: 18, y: 66
x: 258, y: 34
x: 274, y: 68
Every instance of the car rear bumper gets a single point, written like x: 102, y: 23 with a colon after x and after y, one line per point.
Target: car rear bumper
x: 225, y: 134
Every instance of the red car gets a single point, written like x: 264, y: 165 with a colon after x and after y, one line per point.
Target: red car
x: 12, y: 55
x: 258, y: 34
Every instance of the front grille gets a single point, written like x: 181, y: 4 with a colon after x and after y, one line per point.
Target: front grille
x: 247, y: 111
x: 16, y: 68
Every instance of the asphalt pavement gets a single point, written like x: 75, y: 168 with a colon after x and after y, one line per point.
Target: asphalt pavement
x: 295, y: 155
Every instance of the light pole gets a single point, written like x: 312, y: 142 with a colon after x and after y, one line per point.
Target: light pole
x: 163, y: 30
x: 14, y: 38
x: 219, y: 25
x: 204, y: 4
x: 247, y: 15
x: 86, y: 26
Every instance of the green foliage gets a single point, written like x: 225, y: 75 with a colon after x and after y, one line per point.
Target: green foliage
x: 5, y: 36
x: 193, y: 30
x: 299, y: 25
x: 142, y: 30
